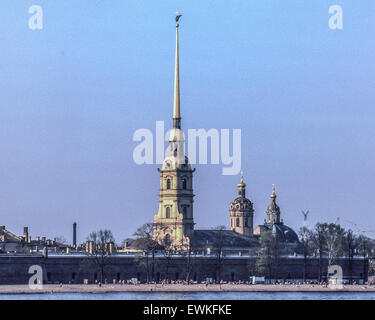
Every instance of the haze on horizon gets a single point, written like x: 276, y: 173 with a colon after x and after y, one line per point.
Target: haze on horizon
x: 73, y: 94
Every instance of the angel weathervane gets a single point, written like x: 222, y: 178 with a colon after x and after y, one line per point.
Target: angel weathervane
x: 178, y: 16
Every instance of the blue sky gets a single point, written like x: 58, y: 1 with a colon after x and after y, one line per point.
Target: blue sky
x: 72, y: 95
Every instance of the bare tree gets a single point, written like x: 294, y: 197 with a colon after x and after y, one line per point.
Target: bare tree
x: 61, y: 239
x: 318, y: 240
x: 334, y: 238
x: 218, y: 248
x: 189, y: 254
x: 305, y: 243
x: 146, y: 243
x: 169, y: 250
x: 101, y: 242
x: 365, y: 249
x: 350, y: 245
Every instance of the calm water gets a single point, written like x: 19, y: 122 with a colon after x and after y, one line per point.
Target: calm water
x: 194, y: 296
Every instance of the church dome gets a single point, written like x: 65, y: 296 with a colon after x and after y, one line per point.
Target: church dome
x: 241, y: 203
x: 285, y: 233
x: 273, y: 210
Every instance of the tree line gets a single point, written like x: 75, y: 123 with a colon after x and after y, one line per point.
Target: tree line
x: 328, y: 242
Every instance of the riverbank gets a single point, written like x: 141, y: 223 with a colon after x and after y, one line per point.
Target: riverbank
x: 80, y: 288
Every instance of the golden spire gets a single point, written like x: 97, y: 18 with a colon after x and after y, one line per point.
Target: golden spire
x: 241, y: 186
x: 176, y: 102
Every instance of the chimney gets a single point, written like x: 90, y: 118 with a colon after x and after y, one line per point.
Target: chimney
x: 2, y: 227
x: 26, y: 233
x: 37, y: 238
x: 44, y: 239
x: 75, y: 234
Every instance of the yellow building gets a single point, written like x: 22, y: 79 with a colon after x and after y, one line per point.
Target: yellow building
x: 174, y: 222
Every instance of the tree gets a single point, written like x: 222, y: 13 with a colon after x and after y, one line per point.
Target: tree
x: 145, y: 242
x: 334, y: 239
x: 318, y: 240
x: 169, y: 250
x: 189, y: 254
x: 218, y: 246
x: 365, y: 249
x: 350, y: 245
x: 102, y: 242
x: 328, y: 239
x: 268, y: 255
x: 61, y: 239
x: 305, y: 243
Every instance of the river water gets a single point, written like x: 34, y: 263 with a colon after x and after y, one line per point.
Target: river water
x: 194, y: 296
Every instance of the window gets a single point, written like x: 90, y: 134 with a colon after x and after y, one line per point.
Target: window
x: 73, y: 276
x: 184, y: 211
x: 246, y: 222
x: 168, y: 184
x: 237, y: 222
x: 184, y: 184
x: 167, y: 212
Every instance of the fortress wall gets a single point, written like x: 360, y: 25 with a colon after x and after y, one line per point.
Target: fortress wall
x: 65, y: 268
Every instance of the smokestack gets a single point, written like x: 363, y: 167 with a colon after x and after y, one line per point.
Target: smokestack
x: 75, y: 234
x: 26, y: 233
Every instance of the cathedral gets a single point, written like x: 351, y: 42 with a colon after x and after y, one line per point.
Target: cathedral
x: 174, y: 221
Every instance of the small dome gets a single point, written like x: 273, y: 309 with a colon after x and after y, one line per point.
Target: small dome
x: 241, y: 203
x: 241, y: 185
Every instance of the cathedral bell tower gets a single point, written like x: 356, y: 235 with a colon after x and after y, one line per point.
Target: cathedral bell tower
x: 241, y: 212
x: 174, y: 223
x: 273, y: 210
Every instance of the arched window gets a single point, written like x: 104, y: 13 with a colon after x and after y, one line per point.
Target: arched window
x: 167, y: 238
x: 167, y: 212
x: 168, y: 184
x: 246, y: 222
x: 184, y: 184
x: 237, y: 222
x: 184, y: 211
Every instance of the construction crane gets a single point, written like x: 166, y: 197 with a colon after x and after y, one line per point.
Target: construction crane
x: 358, y: 228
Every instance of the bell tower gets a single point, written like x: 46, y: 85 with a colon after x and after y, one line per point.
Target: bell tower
x: 241, y: 212
x: 273, y: 210
x: 174, y: 223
